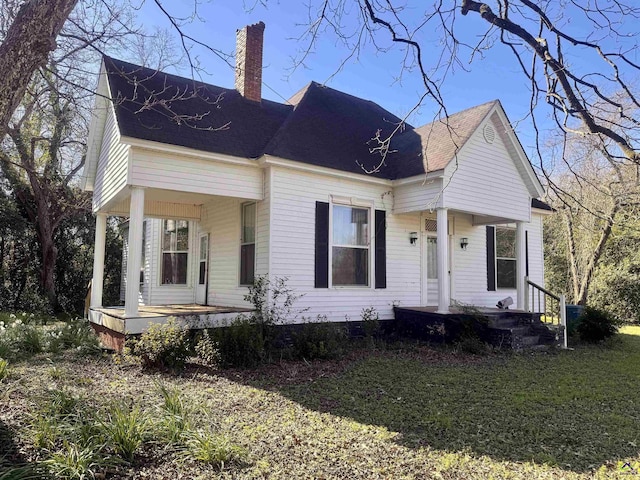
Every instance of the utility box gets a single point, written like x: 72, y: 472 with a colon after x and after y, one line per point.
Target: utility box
x: 573, y: 318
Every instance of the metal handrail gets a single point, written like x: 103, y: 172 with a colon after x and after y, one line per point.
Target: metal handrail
x: 542, y: 305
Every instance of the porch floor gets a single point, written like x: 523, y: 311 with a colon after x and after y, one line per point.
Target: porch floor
x: 152, y: 311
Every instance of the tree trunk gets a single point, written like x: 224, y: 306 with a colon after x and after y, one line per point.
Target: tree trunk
x: 26, y: 47
x: 587, y: 276
x: 47, y: 278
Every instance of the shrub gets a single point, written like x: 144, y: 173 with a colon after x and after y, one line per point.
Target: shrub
x: 319, y: 339
x: 370, y: 322
x: 162, y: 346
x: 207, y: 349
x: 240, y: 344
x: 596, y: 325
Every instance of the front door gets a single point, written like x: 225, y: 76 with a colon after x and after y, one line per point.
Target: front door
x: 203, y: 269
x: 430, y: 270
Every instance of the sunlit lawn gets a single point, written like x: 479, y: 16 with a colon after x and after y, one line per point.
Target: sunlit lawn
x: 412, y: 413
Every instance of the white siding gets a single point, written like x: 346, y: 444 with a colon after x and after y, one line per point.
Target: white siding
x: 414, y: 197
x: 486, y: 180
x: 111, y: 174
x: 294, y: 196
x: 470, y: 265
x: 189, y: 174
x: 153, y: 292
x: 221, y: 219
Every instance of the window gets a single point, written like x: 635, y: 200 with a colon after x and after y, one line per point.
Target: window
x: 350, y: 244
x: 175, y: 252
x: 432, y: 258
x: 505, y: 257
x: 248, y: 244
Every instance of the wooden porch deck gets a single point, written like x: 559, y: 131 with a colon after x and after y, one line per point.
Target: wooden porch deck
x: 112, y: 325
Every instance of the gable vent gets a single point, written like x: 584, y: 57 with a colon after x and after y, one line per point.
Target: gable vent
x: 489, y: 133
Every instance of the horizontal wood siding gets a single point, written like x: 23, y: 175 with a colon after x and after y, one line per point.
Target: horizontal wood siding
x: 486, y: 180
x: 294, y: 199
x: 111, y: 175
x: 221, y: 219
x: 417, y: 196
x: 188, y: 174
x: 169, y: 294
x: 470, y: 265
x: 262, y: 228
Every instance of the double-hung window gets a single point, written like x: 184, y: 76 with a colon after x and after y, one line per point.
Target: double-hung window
x: 350, y: 246
x: 505, y: 257
x: 248, y: 244
x: 175, y: 251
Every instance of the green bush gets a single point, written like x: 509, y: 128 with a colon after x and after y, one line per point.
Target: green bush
x: 162, y: 346
x: 370, y: 322
x: 207, y: 349
x: 319, y: 339
x: 240, y: 344
x: 596, y: 325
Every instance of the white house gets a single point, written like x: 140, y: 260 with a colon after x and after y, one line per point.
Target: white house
x: 220, y: 185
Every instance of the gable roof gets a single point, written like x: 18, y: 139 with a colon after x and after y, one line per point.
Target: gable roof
x: 431, y: 147
x: 319, y: 125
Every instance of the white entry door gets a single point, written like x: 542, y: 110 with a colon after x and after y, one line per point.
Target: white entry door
x: 203, y: 269
x: 430, y: 270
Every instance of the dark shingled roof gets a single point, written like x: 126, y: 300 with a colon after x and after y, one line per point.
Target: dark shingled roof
x: 319, y: 125
x: 142, y: 93
x: 329, y: 128
x: 539, y: 204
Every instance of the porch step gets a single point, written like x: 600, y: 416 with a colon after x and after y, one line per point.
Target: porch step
x: 530, y: 340
x: 510, y: 322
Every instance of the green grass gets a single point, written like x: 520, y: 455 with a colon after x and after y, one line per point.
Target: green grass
x: 411, y: 413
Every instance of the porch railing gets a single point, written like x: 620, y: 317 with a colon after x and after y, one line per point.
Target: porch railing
x: 552, y: 308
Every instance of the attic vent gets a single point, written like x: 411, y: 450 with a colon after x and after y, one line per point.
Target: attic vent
x: 489, y: 133
x: 430, y: 225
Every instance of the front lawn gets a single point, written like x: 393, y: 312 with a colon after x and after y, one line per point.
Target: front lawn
x: 411, y: 413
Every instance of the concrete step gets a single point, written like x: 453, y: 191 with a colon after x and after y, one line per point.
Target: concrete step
x: 509, y: 322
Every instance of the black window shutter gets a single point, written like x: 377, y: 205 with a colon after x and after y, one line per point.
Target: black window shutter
x: 381, y: 249
x: 491, y: 259
x: 526, y: 252
x: 322, y: 245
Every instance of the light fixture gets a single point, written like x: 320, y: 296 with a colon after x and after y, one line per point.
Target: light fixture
x: 413, y: 237
x: 464, y: 241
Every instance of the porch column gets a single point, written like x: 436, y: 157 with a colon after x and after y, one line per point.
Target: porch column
x: 134, y: 258
x: 444, y: 299
x: 521, y: 260
x: 98, y: 260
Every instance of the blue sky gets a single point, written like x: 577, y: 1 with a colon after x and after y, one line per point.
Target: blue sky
x: 373, y: 75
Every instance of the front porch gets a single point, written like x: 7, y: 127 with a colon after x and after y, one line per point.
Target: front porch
x: 511, y: 329
x: 112, y: 324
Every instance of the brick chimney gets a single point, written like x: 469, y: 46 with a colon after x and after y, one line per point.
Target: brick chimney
x: 249, y: 61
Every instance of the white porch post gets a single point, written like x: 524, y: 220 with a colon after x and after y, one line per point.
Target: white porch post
x: 98, y: 260
x: 134, y: 258
x: 444, y: 299
x: 521, y: 259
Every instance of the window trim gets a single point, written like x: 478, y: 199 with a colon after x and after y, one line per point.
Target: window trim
x: 364, y: 205
x: 496, y: 257
x: 242, y: 243
x: 161, y: 251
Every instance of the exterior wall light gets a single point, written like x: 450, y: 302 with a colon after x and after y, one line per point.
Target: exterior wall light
x: 413, y: 237
x: 464, y: 241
